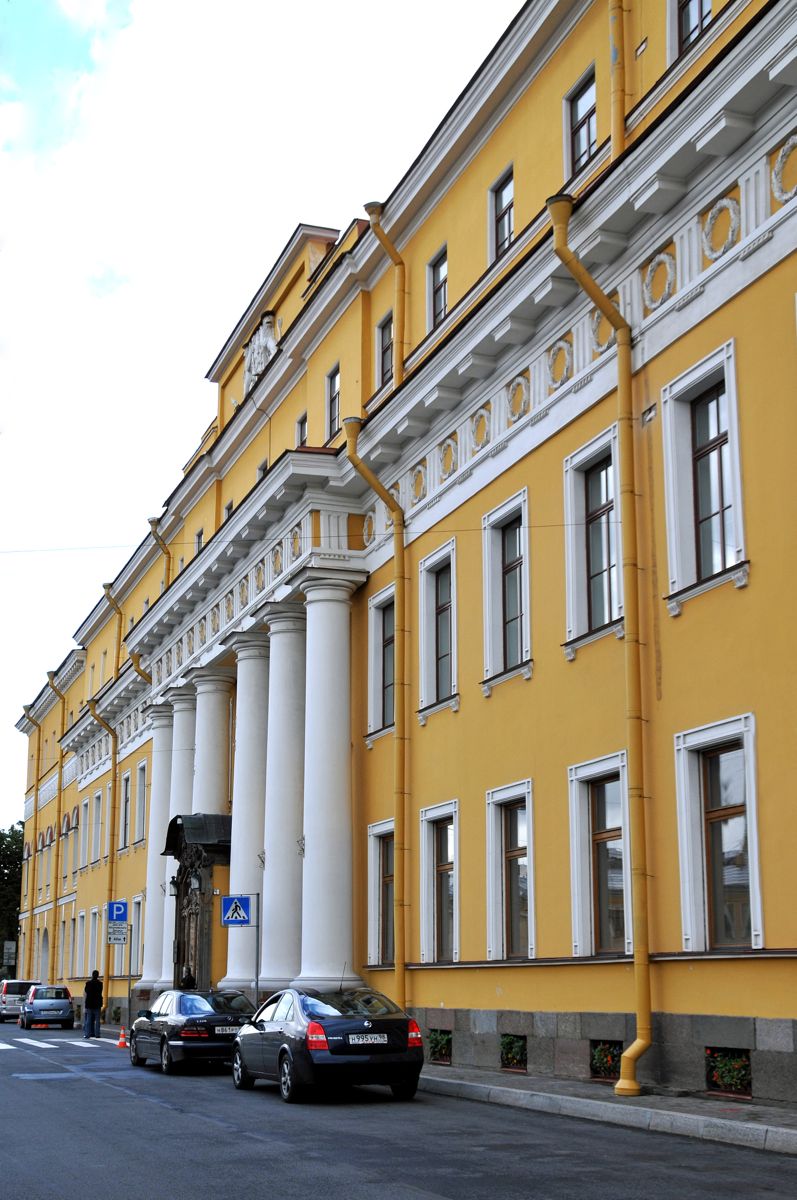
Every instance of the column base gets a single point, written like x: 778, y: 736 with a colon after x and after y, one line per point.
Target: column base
x: 327, y: 982
x: 162, y: 985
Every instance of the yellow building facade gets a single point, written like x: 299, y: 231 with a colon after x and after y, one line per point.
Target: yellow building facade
x: 460, y: 642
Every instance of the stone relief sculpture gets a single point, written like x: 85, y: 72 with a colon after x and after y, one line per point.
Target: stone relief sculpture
x: 261, y: 348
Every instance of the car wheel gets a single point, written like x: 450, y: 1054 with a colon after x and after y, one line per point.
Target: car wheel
x: 404, y: 1090
x: 135, y: 1057
x: 240, y: 1076
x: 289, y: 1088
x: 26, y: 1023
x: 167, y: 1062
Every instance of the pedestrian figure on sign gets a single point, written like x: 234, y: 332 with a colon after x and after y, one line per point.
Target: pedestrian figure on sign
x: 93, y: 1003
x: 188, y: 980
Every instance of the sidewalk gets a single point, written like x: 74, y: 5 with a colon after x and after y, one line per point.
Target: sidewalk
x: 742, y: 1123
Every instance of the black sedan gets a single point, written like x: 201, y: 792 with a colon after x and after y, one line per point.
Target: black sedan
x: 306, y: 1036
x: 187, y: 1026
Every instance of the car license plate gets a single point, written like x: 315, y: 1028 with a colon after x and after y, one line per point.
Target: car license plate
x: 367, y: 1039
x: 223, y: 1029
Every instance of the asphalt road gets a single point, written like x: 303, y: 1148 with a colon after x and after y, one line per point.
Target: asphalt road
x: 79, y: 1120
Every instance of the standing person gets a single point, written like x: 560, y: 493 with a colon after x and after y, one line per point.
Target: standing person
x: 93, y: 1003
x: 188, y: 980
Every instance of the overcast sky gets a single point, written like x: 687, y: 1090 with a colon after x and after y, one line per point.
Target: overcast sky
x: 155, y: 156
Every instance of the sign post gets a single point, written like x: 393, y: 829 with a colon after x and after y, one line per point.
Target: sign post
x: 236, y: 912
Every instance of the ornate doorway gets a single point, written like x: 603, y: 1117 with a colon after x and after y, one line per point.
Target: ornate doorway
x: 198, y: 841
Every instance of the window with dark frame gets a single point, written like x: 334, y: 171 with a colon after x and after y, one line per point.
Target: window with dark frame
x: 386, y: 882
x: 444, y: 889
x: 601, y: 545
x: 693, y: 18
x: 512, y: 593
x: 388, y: 663
x: 583, y: 124
x: 714, y: 524
x: 607, y: 865
x: 722, y: 773
x: 386, y: 350
x: 439, y: 271
x: 516, y: 881
x: 504, y: 214
x: 333, y: 401
x: 124, y: 822
x: 442, y: 632
x: 301, y: 430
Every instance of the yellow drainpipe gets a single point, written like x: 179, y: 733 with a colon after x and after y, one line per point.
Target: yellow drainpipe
x: 617, y: 59
x: 560, y: 208
x: 352, y: 426
x: 59, y: 810
x: 92, y: 707
x: 374, y: 210
x: 117, y: 651
x: 34, y: 849
x: 167, y: 554
x: 135, y: 659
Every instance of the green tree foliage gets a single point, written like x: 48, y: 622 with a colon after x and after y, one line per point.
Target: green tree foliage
x: 10, y: 882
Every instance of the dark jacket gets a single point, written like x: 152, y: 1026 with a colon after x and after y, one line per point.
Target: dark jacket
x: 93, y: 993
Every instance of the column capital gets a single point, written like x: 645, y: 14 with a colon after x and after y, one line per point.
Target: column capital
x: 160, y: 716
x: 181, y: 698
x: 212, y: 679
x: 252, y: 644
x: 331, y: 585
x: 285, y: 618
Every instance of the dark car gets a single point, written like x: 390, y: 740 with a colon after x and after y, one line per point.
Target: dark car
x: 307, y: 1036
x: 47, y: 1005
x: 187, y: 1026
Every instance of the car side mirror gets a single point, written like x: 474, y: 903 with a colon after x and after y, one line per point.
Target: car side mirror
x: 144, y: 1012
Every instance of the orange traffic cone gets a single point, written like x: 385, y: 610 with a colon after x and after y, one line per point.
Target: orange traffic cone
x: 122, y: 1044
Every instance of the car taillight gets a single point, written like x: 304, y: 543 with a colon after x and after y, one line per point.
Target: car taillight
x: 414, y: 1034
x: 68, y: 993
x: 194, y: 1031
x: 316, y: 1037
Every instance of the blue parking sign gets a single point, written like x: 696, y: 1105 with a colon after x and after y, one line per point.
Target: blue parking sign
x: 117, y: 910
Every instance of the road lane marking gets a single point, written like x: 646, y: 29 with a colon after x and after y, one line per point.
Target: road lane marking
x: 48, y: 1075
x: 37, y: 1044
x: 6, y: 1046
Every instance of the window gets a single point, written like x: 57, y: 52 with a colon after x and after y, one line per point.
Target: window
x: 103, y: 666
x: 262, y: 470
x: 141, y: 801
x: 84, y: 833
x: 592, y: 537
x: 439, y: 883
x: 502, y: 205
x: 507, y: 629
x: 716, y: 802
x: 601, y: 544
x: 438, y: 627
x: 600, y: 866
x: 228, y: 509
x: 81, y: 944
x: 301, y: 430
x: 333, y: 402
x: 384, y: 350
x: 693, y: 17
x: 124, y: 814
x: 381, y: 660
x: 438, y: 289
x: 199, y: 540
x: 702, y: 478
x: 381, y: 858
x: 96, y: 827
x: 108, y: 815
x: 510, y: 893
x: 135, y: 938
x: 583, y: 123
x: 93, y: 930
x: 145, y: 605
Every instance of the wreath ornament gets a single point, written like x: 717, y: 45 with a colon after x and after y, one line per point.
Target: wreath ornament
x: 731, y: 207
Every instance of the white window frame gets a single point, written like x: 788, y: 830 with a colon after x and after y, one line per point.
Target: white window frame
x: 376, y: 605
x: 689, y: 746
x: 497, y: 800
x: 327, y: 397
x: 96, y: 826
x: 125, y: 804
x: 199, y: 540
x: 84, y: 833
x: 508, y: 170
x: 567, y: 140
x: 576, y: 466
x: 108, y: 815
x: 580, y: 776
x: 229, y: 508
x: 297, y: 436
x: 492, y: 523
x: 428, y: 818
x: 677, y: 398
x: 80, y: 965
x: 94, y: 925
x: 377, y: 831
x: 135, y: 936
x: 141, y: 801
x: 427, y: 674
x: 438, y: 254
x: 379, y: 381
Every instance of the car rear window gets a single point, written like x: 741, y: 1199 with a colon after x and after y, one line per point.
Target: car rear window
x: 14, y: 987
x: 364, y: 1003
x: 231, y: 1002
x: 51, y: 993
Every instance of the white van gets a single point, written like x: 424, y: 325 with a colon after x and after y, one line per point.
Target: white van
x: 12, y: 993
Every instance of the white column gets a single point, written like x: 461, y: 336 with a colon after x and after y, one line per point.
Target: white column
x: 281, y: 945
x: 212, y: 760
x: 327, y: 942
x: 183, y: 702
x: 160, y: 716
x: 248, y: 798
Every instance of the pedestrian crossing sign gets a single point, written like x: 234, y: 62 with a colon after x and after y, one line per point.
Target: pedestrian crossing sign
x: 236, y: 910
